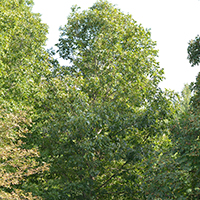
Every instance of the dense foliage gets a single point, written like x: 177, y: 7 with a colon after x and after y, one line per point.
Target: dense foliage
x: 103, y: 109
x: 194, y: 51
x: 100, y: 128
x: 22, y: 59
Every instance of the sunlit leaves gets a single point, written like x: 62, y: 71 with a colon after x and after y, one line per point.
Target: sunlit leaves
x: 23, y: 61
x: 22, y: 55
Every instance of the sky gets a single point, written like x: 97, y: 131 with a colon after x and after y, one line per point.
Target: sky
x: 173, y: 24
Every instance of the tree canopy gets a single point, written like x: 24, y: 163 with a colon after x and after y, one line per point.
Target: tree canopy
x: 22, y: 63
x: 101, y: 127
x: 98, y: 116
x: 194, y: 51
x: 22, y: 53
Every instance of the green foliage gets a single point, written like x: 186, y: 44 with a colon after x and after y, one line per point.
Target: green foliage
x: 163, y: 177
x: 191, y: 150
x: 194, y: 51
x: 172, y: 170
x: 186, y: 97
x: 16, y: 163
x: 182, y: 102
x: 22, y: 56
x: 94, y: 119
x: 100, y: 128
x: 23, y: 61
x: 185, y: 136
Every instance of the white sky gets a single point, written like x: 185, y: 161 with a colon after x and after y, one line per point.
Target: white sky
x: 172, y: 22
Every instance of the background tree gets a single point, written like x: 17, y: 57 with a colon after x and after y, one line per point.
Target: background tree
x: 175, y: 175
x: 171, y: 171
x: 186, y: 95
x: 192, y: 150
x: 194, y: 51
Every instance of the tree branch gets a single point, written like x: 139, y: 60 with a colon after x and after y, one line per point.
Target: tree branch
x: 102, y: 185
